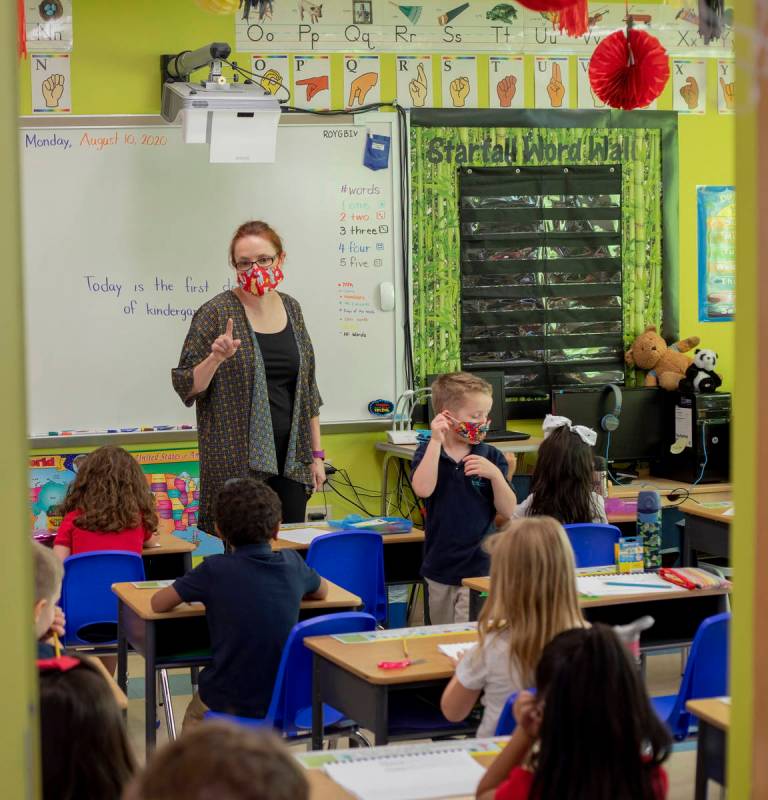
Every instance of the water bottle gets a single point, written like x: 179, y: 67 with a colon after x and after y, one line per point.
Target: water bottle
x: 600, y: 476
x: 649, y: 527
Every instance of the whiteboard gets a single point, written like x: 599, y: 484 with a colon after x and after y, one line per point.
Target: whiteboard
x: 126, y: 232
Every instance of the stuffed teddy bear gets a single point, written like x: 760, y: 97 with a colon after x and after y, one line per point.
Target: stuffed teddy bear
x: 665, y: 364
x: 701, y: 375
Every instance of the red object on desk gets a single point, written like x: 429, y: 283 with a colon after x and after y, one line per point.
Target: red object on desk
x: 406, y: 662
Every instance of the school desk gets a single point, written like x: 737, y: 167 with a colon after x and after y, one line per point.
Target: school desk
x: 706, y: 529
x: 179, y: 638
x: 714, y: 722
x: 167, y: 556
x: 406, y: 452
x: 323, y: 787
x: 347, y: 677
x: 403, y: 553
x: 677, y: 613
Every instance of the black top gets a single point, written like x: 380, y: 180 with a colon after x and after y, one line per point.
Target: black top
x: 252, y: 597
x: 460, y: 513
x: 281, y: 365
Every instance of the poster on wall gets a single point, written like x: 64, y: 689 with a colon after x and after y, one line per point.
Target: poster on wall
x: 689, y: 85
x: 50, y: 85
x: 362, y: 81
x: 312, y: 82
x: 551, y: 82
x: 48, y: 25
x: 271, y: 72
x: 726, y: 70
x: 458, y: 82
x: 173, y: 477
x: 506, y: 82
x: 587, y: 99
x: 716, y: 207
x: 452, y: 26
x: 415, y: 84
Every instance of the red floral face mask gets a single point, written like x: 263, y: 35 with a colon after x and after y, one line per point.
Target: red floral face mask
x: 259, y: 280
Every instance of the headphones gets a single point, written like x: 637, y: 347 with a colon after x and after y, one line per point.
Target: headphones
x: 610, y: 422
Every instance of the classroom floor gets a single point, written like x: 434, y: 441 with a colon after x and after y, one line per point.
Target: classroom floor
x: 663, y: 678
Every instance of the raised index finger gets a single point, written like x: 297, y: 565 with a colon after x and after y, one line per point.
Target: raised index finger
x: 228, y: 331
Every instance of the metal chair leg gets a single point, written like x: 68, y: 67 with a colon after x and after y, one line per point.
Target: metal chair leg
x: 165, y: 693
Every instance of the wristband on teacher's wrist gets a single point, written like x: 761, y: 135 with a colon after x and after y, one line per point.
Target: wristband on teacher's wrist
x: 318, y: 454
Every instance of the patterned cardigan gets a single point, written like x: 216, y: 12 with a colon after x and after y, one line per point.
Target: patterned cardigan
x: 234, y: 422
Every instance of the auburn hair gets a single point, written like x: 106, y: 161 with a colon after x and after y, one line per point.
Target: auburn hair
x: 449, y: 390
x: 110, y: 493
x: 255, y: 227
x: 533, y: 589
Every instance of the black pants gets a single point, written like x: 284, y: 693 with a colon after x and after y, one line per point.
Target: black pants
x: 293, y: 495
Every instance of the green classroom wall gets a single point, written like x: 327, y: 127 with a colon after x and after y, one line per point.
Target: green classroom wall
x: 115, y: 70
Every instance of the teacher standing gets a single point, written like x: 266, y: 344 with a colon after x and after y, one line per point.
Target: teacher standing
x: 248, y: 365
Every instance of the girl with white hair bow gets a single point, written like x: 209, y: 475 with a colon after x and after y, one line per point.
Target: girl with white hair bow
x: 562, y: 485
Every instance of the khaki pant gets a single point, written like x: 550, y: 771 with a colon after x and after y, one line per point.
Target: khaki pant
x: 194, y: 714
x: 447, y: 603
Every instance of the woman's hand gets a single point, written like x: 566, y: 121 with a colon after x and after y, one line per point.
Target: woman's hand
x: 318, y: 474
x: 225, y: 346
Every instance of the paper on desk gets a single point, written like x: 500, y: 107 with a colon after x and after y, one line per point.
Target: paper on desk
x: 151, y: 584
x: 604, y: 586
x: 418, y: 776
x: 455, y: 650
x: 302, y: 535
x: 729, y: 512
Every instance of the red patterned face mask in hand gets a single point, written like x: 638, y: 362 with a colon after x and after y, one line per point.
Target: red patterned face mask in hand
x: 259, y: 280
x: 472, y: 432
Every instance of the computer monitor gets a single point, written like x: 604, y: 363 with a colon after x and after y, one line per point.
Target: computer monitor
x: 640, y: 435
x: 498, y: 418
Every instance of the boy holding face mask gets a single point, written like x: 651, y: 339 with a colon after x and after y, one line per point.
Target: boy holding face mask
x: 463, y: 483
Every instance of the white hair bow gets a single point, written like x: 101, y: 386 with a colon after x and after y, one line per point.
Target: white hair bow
x: 552, y: 423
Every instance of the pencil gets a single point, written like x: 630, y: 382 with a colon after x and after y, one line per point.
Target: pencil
x: 57, y: 645
x: 405, y: 647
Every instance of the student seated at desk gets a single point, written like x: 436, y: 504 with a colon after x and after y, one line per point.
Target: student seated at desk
x: 220, y: 761
x: 598, y: 735
x: 562, y: 485
x: 252, y: 597
x: 49, y: 618
x: 464, y: 483
x: 85, y: 751
x: 532, y: 598
x: 109, y: 506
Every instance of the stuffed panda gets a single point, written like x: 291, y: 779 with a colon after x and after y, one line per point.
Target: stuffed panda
x: 701, y: 376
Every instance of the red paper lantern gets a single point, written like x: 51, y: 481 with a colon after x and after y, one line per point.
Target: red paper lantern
x: 629, y: 70
x: 572, y: 15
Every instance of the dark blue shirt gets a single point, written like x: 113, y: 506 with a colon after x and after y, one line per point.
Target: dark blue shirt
x: 252, y: 597
x: 460, y: 512
x: 45, y: 650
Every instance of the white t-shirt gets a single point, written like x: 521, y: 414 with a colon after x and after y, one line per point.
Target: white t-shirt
x: 522, y: 509
x: 490, y: 669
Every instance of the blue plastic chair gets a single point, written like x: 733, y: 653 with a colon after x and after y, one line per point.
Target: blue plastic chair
x: 353, y: 560
x: 290, y: 709
x: 706, y: 675
x: 507, y: 722
x: 593, y: 544
x: 87, y: 598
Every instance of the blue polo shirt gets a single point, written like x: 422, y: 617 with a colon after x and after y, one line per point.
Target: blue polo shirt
x: 460, y: 512
x: 252, y: 597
